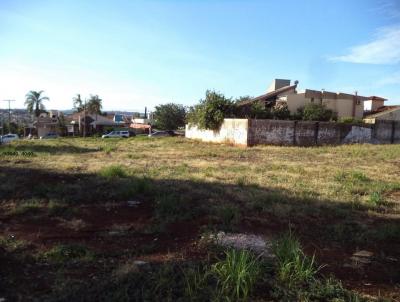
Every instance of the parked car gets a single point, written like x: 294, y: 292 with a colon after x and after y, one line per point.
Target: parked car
x: 49, y: 136
x: 123, y: 133
x: 8, y: 138
x: 162, y: 133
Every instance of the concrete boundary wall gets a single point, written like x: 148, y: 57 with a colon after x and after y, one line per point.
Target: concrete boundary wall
x: 232, y: 131
x: 251, y: 132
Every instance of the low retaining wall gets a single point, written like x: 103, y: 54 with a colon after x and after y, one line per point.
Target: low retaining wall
x: 301, y: 133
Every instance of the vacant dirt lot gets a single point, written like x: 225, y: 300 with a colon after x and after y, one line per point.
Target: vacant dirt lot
x: 75, y: 213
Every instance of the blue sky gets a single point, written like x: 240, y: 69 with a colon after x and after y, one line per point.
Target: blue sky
x: 138, y: 53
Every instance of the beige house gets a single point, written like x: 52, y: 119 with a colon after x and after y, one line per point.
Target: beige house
x: 281, y: 91
x: 46, y: 124
x: 387, y: 113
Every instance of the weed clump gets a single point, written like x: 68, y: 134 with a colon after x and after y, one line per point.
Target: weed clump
x: 114, y: 171
x: 65, y: 253
x: 236, y: 275
x: 294, y: 268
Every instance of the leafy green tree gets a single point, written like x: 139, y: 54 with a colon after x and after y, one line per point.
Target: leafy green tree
x: 34, y: 102
x: 210, y: 112
x: 316, y: 112
x: 244, y: 98
x: 169, y: 116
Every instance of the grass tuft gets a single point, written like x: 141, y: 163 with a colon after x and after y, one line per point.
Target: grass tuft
x: 294, y: 268
x: 236, y: 275
x: 65, y: 253
x: 114, y: 171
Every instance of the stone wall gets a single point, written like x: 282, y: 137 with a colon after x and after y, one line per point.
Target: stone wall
x: 300, y: 133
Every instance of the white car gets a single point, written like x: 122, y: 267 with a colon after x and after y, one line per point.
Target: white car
x: 8, y: 138
x: 116, y: 134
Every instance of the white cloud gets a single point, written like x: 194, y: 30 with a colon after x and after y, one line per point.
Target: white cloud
x: 384, y: 49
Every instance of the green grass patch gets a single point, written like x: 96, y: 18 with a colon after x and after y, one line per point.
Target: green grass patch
x: 65, y: 253
x: 113, y: 171
x: 294, y: 268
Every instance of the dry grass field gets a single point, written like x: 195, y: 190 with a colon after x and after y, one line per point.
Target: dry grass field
x: 76, y: 213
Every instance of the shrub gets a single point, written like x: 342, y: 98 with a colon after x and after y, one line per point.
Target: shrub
x: 236, y: 275
x: 114, y: 171
x: 316, y: 112
x: 350, y: 120
x: 257, y: 110
x: 210, y: 112
x: 280, y: 111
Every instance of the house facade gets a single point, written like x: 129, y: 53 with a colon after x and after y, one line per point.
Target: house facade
x: 50, y: 122
x: 281, y: 91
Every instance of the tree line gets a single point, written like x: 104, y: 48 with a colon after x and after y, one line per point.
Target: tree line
x: 208, y: 113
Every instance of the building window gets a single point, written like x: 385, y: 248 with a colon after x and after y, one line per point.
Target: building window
x: 312, y: 100
x: 320, y: 101
x: 358, y: 102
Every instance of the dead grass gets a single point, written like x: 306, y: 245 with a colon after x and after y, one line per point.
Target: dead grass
x: 335, y: 197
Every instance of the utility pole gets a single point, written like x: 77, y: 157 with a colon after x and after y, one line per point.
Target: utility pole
x: 84, y: 119
x: 9, y: 113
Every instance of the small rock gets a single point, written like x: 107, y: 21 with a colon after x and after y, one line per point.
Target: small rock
x: 365, y: 254
x: 139, y: 262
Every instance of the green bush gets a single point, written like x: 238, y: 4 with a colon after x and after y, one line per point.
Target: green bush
x: 350, y: 120
x: 315, y: 112
x: 210, y: 112
x: 280, y: 111
x: 257, y: 110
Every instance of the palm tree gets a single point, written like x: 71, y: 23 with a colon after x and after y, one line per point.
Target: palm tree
x: 78, y: 104
x: 34, y: 102
x: 95, y: 105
